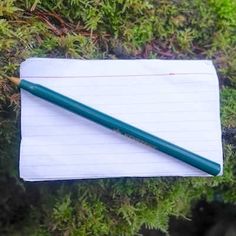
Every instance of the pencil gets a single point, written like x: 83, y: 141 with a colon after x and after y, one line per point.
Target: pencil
x: 121, y: 127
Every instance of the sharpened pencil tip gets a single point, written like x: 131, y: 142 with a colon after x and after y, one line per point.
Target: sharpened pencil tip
x: 14, y: 80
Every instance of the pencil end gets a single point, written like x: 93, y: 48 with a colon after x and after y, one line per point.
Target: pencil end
x: 14, y: 80
x: 217, y: 170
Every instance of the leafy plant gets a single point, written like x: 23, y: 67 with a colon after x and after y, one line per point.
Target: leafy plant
x: 109, y: 29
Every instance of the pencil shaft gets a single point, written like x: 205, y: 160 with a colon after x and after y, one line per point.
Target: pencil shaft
x: 182, y: 154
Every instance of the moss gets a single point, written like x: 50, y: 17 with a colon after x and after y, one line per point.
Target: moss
x: 228, y: 107
x: 109, y: 29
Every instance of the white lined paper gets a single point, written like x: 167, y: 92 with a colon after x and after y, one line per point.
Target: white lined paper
x: 175, y: 100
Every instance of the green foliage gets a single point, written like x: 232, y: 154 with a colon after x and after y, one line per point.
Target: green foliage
x: 228, y: 108
x: 109, y: 29
x: 7, y: 8
x: 226, y: 11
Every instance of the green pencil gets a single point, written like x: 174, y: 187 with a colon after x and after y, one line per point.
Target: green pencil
x: 173, y: 150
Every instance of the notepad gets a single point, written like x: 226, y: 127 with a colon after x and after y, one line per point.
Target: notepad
x: 175, y: 100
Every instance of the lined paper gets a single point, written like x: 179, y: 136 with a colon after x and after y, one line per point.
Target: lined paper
x: 175, y: 100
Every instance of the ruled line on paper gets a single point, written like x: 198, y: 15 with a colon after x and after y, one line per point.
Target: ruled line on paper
x: 97, y: 164
x: 186, y: 139
x: 82, y: 133
x: 211, y: 143
x: 211, y: 147
x: 162, y: 122
x: 207, y: 153
x: 101, y: 144
x: 206, y: 92
x: 134, y: 86
x: 74, y: 155
x: 153, y: 103
x: 109, y: 76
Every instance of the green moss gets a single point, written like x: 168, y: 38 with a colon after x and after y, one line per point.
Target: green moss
x: 228, y: 107
x: 109, y: 29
